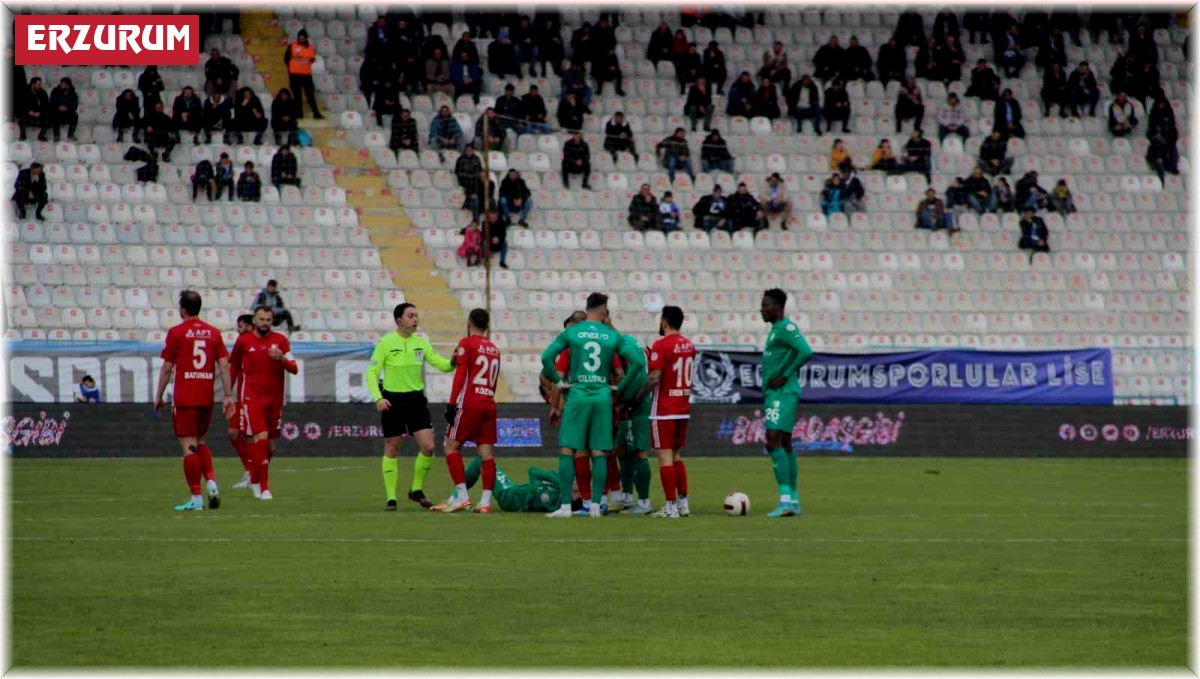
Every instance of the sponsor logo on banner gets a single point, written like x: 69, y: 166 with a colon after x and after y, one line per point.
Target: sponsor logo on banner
x: 26, y: 432
x: 836, y: 433
x: 1129, y: 433
x: 107, y: 40
x: 712, y: 379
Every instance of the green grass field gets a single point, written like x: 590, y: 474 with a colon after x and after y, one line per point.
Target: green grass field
x: 897, y: 563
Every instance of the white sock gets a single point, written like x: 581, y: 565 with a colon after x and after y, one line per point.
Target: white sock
x: 197, y: 499
x: 587, y: 504
x: 487, y: 498
x: 644, y: 502
x: 565, y: 508
x: 785, y: 498
x: 212, y: 486
x: 627, y: 498
x: 683, y: 501
x: 670, y: 504
x: 460, y: 491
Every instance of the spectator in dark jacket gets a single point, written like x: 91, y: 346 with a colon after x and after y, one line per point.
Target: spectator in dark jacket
x: 711, y: 211
x: 34, y: 110
x: 550, y: 47
x: 467, y: 169
x: 925, y: 65
x: 858, y: 64
x: 515, y: 197
x: 1007, y: 116
x: 285, y: 168
x: 223, y: 176
x: 495, y: 130
x: 804, y: 103
x: 249, y: 116
x: 1052, y: 50
x: 1035, y: 237
x: 766, y: 100
x: 465, y: 48
x: 714, y: 67
x: 220, y: 74
x: 741, y: 97
x: 1142, y: 46
x: 1082, y: 89
x: 985, y: 84
x: 404, y: 134
x: 496, y: 227
x: 992, y: 155
x: 188, y: 114
x: 979, y: 192
x: 466, y: 77
x: 745, y: 210
x: 1054, y: 90
x: 917, y: 154
x: 445, y: 132
x: 949, y: 58
x: 524, y: 38
x: 618, y: 137
x: 205, y: 176
x: 837, y: 107
x: 688, y: 67
x: 910, y: 29
x: 829, y: 61
x: 574, y: 81
x: 502, y: 56
x: 533, y: 108
x: 577, y: 159
x: 509, y: 111
x: 30, y: 189
x: 675, y: 154
x: 1010, y: 56
x: 285, y: 112
x: 978, y: 23
x: 910, y: 104
x: 64, y: 108
x: 386, y: 103
x: 606, y: 68
x: 159, y: 132
x: 1028, y: 194
x: 945, y: 24
x: 128, y: 115
x: 1162, y: 115
x: 643, y: 210
x: 583, y: 47
x: 150, y: 84
x: 270, y: 297
x: 714, y: 154
x: 660, y: 44
x: 1162, y: 156
x: 218, y: 116
x: 932, y: 213
x: 892, y: 62
x: 570, y: 113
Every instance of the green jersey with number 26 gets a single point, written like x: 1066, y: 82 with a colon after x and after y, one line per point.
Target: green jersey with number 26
x: 592, y: 347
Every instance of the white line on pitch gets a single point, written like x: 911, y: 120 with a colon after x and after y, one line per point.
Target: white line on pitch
x: 620, y: 540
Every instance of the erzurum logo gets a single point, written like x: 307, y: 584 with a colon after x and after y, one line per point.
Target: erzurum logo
x: 107, y: 40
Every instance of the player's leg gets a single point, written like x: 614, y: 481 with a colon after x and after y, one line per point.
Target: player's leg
x: 640, y: 429
x: 192, y: 472
x: 239, y: 446
x: 260, y: 449
x: 774, y: 405
x: 600, y: 443
x: 613, y: 485
x: 459, y: 499
x: 678, y: 438
x: 422, y: 464
x: 794, y: 473
x: 205, y: 453
x: 487, y: 455
x: 391, y: 468
x: 666, y: 468
x: 572, y: 433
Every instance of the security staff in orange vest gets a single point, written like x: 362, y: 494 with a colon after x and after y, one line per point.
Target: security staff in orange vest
x: 299, y: 58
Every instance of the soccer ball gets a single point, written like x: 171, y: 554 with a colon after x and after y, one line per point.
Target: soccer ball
x: 737, y: 504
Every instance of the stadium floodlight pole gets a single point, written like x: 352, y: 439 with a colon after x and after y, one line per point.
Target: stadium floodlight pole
x: 487, y: 228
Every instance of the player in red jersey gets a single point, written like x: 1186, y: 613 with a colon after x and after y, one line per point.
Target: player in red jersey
x: 259, y: 360
x: 471, y: 412
x: 245, y: 323
x: 197, y: 348
x: 671, y: 360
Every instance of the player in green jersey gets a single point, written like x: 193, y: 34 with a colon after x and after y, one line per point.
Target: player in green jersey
x: 540, y: 494
x: 587, y: 416
x: 633, y: 442
x: 785, y: 352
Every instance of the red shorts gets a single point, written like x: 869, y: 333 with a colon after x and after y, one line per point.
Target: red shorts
x: 474, y: 424
x: 668, y: 434
x: 235, y: 422
x: 191, y: 421
x: 255, y: 417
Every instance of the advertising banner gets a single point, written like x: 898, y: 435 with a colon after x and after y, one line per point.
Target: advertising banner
x: 106, y: 40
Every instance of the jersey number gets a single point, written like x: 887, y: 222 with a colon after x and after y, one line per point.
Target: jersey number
x: 199, y: 357
x: 489, y: 372
x: 683, y: 372
x: 592, y: 363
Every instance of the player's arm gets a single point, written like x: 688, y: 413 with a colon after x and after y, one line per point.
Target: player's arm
x: 460, y: 382
x: 636, y: 362
x: 164, y: 377
x: 226, y: 387
x: 651, y: 381
x: 548, y: 370
x: 801, y: 352
x: 285, y: 357
x: 435, y: 359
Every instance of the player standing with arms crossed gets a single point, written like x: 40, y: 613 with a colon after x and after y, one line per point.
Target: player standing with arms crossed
x: 471, y: 412
x: 245, y: 323
x: 197, y: 347
x: 402, y: 405
x: 671, y: 361
x: 785, y: 352
x: 259, y: 360
x: 587, y: 423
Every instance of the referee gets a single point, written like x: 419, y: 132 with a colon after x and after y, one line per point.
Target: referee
x: 402, y: 356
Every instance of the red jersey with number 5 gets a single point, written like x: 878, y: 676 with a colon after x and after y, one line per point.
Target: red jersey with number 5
x: 194, y: 347
x: 476, y: 372
x: 674, y: 355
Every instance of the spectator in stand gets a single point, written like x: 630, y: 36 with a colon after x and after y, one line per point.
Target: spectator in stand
x: 804, y: 103
x: 766, y: 100
x: 284, y: 168
x: 884, y: 158
x: 745, y: 211
x: 248, y: 116
x: 618, y: 137
x: 741, y: 97
x: 496, y: 131
x: 471, y: 249
x: 570, y: 113
x: 150, y: 84
x: 285, y: 113
x: 925, y: 64
x: 714, y: 67
x: 466, y: 50
x: 404, y: 134
x: 1082, y: 89
x: 577, y: 159
x: 711, y: 211
x: 380, y: 37
x: 714, y: 154
x: 833, y: 195
x: 1029, y: 195
x: 223, y: 176
x: 1142, y: 45
x: 857, y: 63
x: 575, y: 81
x: 910, y: 29
x: 910, y: 104
x: 643, y: 210
x: 1146, y: 85
x: 1011, y: 58
x: 775, y: 65
x: 950, y: 58
x: 675, y: 154
x: 88, y: 391
x: 445, y: 132
x: 534, y: 109
x: 679, y: 47
x: 159, y: 132
x: 372, y: 76
x: 838, y: 154
x: 1124, y: 71
x: 299, y: 58
x: 932, y: 213
x: 220, y: 74
x: 892, y: 62
x: 956, y: 195
x: 467, y: 78
x: 188, y: 114
x: 1162, y: 155
x: 129, y: 112
x: 1006, y: 117
x: 1055, y: 91
x: 1052, y: 50
x: 1035, y: 237
x: 515, y: 196
x: 607, y: 69
x: 217, y: 116
x: 30, y: 189
x: 1162, y: 115
x: 945, y: 24
x: 985, y: 84
x: 688, y: 67
x: 979, y: 192
x: 1004, y: 195
x: 837, y: 107
x: 524, y: 38
x: 386, y: 103
x: 829, y: 61
x: 502, y: 57
x: 917, y: 155
x: 1121, y: 116
x: 270, y: 297
x: 437, y: 75
x: 993, y: 154
x: 854, y: 195
x: 583, y: 47
x: 977, y: 24
x: 249, y: 186
x: 668, y: 213
x: 510, y: 110
x: 63, y: 109
x: 467, y: 170
x: 551, y: 49
x: 496, y: 228
x: 952, y: 120
x: 659, y: 48
x: 699, y: 104
x: 775, y: 201
x: 1060, y: 198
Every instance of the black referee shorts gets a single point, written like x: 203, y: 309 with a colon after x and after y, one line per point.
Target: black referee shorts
x: 408, y: 414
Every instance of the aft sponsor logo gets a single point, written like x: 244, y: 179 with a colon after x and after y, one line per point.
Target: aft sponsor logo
x: 107, y: 40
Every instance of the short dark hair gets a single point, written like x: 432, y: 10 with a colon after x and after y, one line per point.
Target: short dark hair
x: 264, y: 307
x: 673, y: 315
x: 189, y: 301
x: 272, y: 282
x: 401, y: 308
x: 88, y: 378
x: 776, y: 295
x: 596, y: 300
x: 248, y: 319
x: 575, y: 317
x: 479, y: 318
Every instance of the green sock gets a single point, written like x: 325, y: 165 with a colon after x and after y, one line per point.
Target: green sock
x: 472, y: 472
x: 641, y: 478
x: 421, y: 466
x: 793, y: 475
x: 627, y: 469
x: 783, y: 471
x: 599, y: 477
x: 566, y: 477
x: 391, y: 472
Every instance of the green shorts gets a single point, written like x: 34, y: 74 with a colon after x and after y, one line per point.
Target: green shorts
x: 587, y: 425
x: 779, y: 410
x: 637, y: 436
x: 622, y: 435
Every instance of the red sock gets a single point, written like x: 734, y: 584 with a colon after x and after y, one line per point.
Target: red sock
x: 206, y: 467
x: 583, y: 477
x: 614, y: 475
x: 244, y: 455
x: 262, y: 461
x: 489, y: 474
x: 191, y: 472
x: 680, y: 477
x: 667, y: 475
x: 454, y: 462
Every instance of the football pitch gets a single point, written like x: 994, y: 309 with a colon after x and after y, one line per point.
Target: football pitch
x: 897, y: 563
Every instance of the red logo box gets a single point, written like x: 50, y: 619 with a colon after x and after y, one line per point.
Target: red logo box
x: 107, y: 40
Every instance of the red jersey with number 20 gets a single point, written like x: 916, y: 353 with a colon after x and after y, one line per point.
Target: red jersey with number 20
x: 674, y: 355
x: 261, y: 376
x: 194, y: 347
x: 476, y: 372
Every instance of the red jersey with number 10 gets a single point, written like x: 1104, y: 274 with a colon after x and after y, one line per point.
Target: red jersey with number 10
x: 261, y: 376
x: 476, y: 372
x: 194, y: 347
x: 674, y: 355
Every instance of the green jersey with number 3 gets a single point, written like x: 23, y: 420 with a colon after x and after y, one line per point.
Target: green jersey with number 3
x: 592, y: 347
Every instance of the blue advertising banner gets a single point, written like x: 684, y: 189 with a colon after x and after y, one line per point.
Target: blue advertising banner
x: 1075, y: 377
